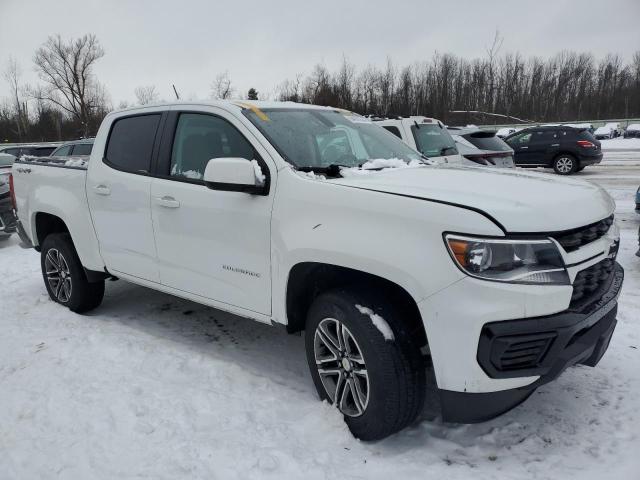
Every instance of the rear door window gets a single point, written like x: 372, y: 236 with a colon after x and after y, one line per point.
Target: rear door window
x: 131, y: 141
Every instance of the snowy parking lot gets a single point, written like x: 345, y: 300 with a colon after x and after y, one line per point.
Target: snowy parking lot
x: 153, y: 386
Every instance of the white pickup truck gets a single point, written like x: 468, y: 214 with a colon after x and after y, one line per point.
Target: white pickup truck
x: 321, y: 221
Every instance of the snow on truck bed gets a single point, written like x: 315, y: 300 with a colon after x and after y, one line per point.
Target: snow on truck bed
x: 152, y: 386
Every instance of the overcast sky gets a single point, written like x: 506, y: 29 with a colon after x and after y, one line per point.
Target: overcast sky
x: 261, y: 43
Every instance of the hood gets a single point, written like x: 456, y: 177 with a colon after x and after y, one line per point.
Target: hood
x: 522, y: 202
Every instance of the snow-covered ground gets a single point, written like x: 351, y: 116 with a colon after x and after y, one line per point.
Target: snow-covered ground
x: 152, y: 386
x: 621, y: 144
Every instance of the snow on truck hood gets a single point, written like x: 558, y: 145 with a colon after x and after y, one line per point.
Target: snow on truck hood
x: 520, y: 201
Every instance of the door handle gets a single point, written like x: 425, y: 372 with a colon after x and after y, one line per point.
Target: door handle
x: 167, y: 201
x: 102, y: 190
x: 523, y: 148
x: 555, y: 145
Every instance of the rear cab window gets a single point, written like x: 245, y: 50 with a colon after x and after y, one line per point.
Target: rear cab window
x: 131, y: 141
x: 63, y: 151
x: 82, y: 149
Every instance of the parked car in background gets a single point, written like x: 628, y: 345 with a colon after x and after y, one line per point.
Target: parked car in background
x: 604, y: 133
x: 427, y: 135
x: 638, y: 200
x: 586, y: 126
x: 31, y: 150
x: 482, y: 147
x: 565, y: 149
x: 503, y: 279
x: 77, y: 148
x: 7, y: 217
x: 505, y: 132
x: 632, y: 131
x: 608, y: 131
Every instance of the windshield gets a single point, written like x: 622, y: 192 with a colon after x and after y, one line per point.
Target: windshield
x: 433, y: 141
x: 320, y: 138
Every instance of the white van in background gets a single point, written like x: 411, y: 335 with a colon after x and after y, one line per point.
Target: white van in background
x: 427, y: 135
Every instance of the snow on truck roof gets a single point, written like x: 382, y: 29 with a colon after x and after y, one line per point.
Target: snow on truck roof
x: 231, y: 104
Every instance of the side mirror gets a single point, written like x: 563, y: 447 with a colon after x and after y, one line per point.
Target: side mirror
x: 235, y: 175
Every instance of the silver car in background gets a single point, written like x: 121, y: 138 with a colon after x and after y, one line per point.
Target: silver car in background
x: 482, y: 147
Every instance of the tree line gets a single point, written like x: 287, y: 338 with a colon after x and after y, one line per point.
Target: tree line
x: 497, y: 89
x: 69, y: 101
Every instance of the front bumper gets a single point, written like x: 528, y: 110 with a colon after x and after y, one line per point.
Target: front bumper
x: 543, y: 347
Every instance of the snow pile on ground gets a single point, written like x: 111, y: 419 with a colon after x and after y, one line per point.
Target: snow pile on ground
x: 152, y: 386
x: 621, y: 144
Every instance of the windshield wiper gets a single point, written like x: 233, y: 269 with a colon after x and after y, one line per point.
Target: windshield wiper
x: 332, y: 170
x: 444, y: 150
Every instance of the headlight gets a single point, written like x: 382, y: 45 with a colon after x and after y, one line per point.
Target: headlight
x: 512, y: 261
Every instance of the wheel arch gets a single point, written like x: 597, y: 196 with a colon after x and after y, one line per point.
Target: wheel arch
x: 44, y: 224
x: 307, y: 280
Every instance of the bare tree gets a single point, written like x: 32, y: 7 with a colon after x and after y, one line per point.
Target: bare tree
x: 66, y: 68
x: 221, y: 88
x: 18, y: 105
x: 146, y: 94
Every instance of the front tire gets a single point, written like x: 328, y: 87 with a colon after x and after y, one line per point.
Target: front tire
x: 64, y: 276
x: 373, y: 373
x: 565, y: 164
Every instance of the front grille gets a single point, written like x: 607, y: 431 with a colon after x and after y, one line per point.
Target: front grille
x: 574, y: 239
x: 520, y: 351
x: 591, y: 279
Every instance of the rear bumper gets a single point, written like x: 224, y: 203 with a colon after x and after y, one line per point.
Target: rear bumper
x: 591, y: 159
x: 26, y: 241
x: 547, y: 345
x: 8, y: 219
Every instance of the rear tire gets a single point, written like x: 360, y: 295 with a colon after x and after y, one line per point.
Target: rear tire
x: 383, y: 380
x: 64, y: 276
x: 565, y: 164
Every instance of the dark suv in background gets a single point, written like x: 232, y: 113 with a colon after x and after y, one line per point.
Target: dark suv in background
x: 565, y: 149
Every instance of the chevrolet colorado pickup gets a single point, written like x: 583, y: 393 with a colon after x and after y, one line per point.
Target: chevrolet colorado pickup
x: 321, y: 221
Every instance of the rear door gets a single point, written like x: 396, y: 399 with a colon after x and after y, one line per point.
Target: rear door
x: 119, y: 189
x: 211, y: 243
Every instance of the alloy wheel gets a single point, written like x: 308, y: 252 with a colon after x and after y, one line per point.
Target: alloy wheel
x: 564, y: 164
x: 341, y: 367
x: 58, y: 275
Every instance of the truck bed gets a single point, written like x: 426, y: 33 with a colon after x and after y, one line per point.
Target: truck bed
x: 56, y: 186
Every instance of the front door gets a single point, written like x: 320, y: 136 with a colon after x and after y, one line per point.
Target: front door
x: 521, y: 145
x: 118, y: 190
x: 211, y: 243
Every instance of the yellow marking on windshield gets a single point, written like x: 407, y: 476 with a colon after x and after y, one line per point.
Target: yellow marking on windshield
x: 259, y: 113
